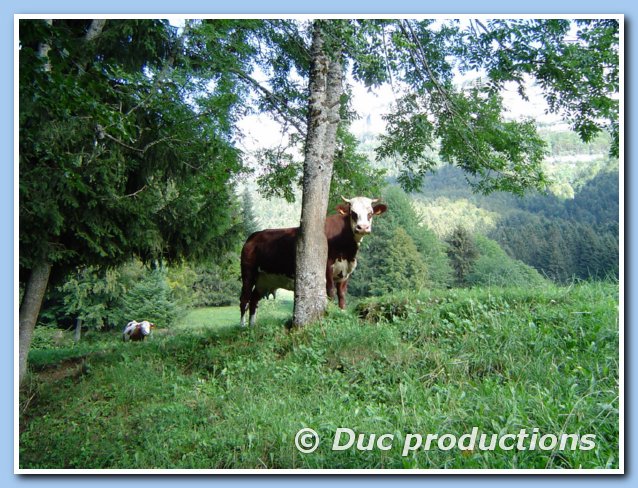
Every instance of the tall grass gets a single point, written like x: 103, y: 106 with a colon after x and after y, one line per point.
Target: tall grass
x: 208, y: 394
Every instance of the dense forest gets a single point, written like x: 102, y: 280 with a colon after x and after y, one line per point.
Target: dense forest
x: 568, y: 233
x: 442, y: 236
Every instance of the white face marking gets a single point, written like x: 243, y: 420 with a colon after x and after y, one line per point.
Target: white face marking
x: 342, y: 269
x: 146, y: 327
x: 361, y: 216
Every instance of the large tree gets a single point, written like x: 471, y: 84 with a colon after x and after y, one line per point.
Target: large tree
x: 325, y: 90
x: 576, y: 63
x: 125, y: 149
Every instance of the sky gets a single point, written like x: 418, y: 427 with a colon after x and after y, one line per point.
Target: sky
x: 261, y: 130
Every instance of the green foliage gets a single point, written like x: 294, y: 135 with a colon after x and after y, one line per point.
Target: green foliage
x: 181, y: 279
x: 353, y: 174
x: 579, y: 78
x: 94, y: 149
x: 561, y: 238
x: 118, y: 156
x: 96, y: 297
x: 567, y: 143
x: 442, y: 214
x: 403, y: 267
x: 471, y: 133
x: 282, y: 175
x: 209, y: 395
x: 110, y: 298
x: 463, y: 253
x: 569, y: 239
x: 494, y: 267
x: 218, y: 283
x: 561, y: 249
x: 400, y: 254
x: 433, y: 119
x: 47, y: 338
x: 151, y: 299
x: 464, y: 127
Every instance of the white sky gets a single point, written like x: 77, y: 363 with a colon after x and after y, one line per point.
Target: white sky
x: 262, y: 131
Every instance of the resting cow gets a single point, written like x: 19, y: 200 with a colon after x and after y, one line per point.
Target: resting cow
x: 137, y: 331
x: 268, y: 256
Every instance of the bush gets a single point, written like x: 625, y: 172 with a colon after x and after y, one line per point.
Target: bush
x: 495, y: 268
x: 94, y: 296
x: 218, y: 285
x: 47, y: 337
x: 106, y: 299
x: 152, y: 299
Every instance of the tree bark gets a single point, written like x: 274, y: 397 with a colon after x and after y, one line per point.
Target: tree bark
x: 44, y: 48
x: 77, y: 334
x: 38, y: 278
x: 95, y: 30
x: 323, y: 120
x: 29, y: 310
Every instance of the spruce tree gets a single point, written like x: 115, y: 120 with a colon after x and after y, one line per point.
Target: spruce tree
x: 462, y: 252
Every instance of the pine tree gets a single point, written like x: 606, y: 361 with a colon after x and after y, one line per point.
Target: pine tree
x: 249, y: 219
x: 462, y: 252
x: 403, y: 266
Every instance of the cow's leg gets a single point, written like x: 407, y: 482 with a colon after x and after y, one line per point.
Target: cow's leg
x: 243, y: 306
x: 330, y: 284
x: 248, y: 283
x: 254, y: 301
x: 342, y: 287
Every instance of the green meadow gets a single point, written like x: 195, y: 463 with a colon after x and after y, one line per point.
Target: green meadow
x: 207, y: 394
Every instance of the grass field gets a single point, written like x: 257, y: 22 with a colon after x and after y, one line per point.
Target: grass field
x: 207, y: 394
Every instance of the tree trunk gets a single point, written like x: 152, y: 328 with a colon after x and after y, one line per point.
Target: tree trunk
x: 77, y: 334
x: 95, y: 30
x: 36, y: 286
x: 44, y: 48
x: 323, y: 120
x: 29, y: 311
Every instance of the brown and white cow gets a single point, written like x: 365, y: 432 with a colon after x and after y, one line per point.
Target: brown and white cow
x: 137, y: 331
x: 268, y: 256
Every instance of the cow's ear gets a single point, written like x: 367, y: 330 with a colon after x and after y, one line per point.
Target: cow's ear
x: 343, y: 209
x: 379, y: 209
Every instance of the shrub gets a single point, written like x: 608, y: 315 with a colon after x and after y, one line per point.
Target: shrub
x: 218, y: 284
x: 495, y: 268
x: 151, y: 299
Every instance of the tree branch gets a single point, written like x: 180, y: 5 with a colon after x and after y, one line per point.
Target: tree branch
x: 102, y: 133
x: 275, y: 101
x: 95, y: 30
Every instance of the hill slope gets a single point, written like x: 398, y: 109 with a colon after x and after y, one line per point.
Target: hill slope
x: 209, y: 395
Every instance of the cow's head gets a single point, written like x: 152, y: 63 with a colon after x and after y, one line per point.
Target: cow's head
x: 361, y: 210
x: 146, y: 327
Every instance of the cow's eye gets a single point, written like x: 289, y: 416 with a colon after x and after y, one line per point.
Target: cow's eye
x: 370, y: 215
x: 354, y: 215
